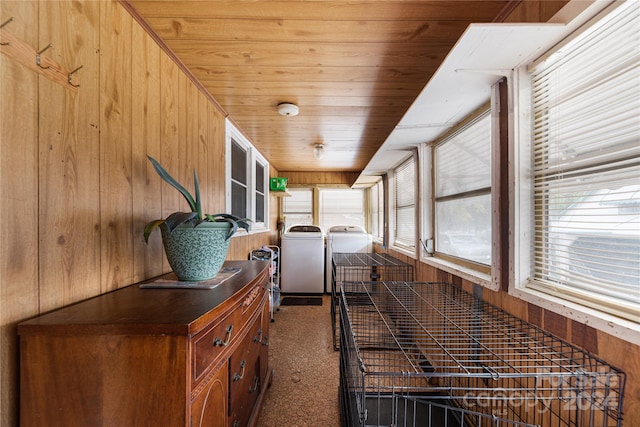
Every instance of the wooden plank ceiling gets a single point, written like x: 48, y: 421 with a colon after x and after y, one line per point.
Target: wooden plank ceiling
x: 352, y: 67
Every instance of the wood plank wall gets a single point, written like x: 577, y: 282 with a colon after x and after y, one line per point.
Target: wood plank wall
x: 76, y: 187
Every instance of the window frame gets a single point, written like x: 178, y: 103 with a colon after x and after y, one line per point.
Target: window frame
x: 259, y: 160
x: 489, y: 277
x: 409, y: 250
x: 521, y: 282
x: 253, y: 158
x: 376, y: 213
x: 482, y: 114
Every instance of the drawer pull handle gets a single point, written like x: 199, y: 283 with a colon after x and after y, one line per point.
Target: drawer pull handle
x: 238, y: 377
x: 254, y: 386
x: 258, y: 339
x: 236, y: 423
x: 217, y: 342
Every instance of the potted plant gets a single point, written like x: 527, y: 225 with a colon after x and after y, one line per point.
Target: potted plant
x: 195, y: 244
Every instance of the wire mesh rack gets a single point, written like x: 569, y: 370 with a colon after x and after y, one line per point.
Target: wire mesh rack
x: 368, y: 267
x: 430, y: 354
x: 270, y: 253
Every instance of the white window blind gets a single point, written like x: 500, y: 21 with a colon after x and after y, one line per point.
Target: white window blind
x: 462, y: 166
x: 586, y: 166
x: 405, y: 204
x: 341, y: 206
x: 298, y: 209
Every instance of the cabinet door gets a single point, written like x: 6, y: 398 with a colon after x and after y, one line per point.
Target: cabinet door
x: 209, y: 408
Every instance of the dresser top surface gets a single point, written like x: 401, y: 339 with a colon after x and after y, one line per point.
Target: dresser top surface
x: 135, y: 310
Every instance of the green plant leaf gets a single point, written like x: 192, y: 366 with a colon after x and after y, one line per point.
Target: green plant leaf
x: 242, y: 222
x: 178, y: 218
x: 232, y: 230
x: 175, y: 184
x: 150, y: 227
x: 172, y: 221
x: 196, y: 185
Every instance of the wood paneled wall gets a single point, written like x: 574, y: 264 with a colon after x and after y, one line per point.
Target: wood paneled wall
x: 76, y: 187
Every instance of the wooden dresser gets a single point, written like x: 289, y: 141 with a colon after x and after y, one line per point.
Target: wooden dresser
x: 151, y: 357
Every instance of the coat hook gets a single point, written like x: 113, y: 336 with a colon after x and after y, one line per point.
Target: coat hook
x: 2, y: 25
x: 70, y: 79
x: 6, y: 22
x: 38, y: 57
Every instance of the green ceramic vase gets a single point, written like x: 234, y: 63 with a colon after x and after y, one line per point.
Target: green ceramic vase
x: 196, y: 254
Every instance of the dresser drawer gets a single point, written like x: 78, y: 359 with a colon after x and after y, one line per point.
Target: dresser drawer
x: 211, y: 343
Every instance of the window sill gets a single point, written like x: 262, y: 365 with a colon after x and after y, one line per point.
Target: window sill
x: 466, y: 273
x: 612, y: 325
x: 410, y: 252
x: 243, y: 233
x: 259, y: 230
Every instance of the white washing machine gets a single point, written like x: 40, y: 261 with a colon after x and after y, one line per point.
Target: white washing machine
x: 302, y: 260
x: 345, y: 239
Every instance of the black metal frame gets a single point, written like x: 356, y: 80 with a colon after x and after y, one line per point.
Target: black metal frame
x: 409, y: 348
x: 362, y: 267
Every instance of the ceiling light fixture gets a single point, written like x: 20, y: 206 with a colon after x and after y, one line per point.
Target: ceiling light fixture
x: 318, y: 151
x: 288, y: 109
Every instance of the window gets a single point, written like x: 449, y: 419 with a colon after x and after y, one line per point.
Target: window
x: 298, y: 209
x: 376, y: 209
x: 584, y: 168
x: 404, y: 177
x: 341, y: 206
x: 462, y: 165
x: 261, y: 194
x: 247, y: 177
x: 239, y: 179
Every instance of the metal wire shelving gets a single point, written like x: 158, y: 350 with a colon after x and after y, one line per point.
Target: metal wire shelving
x: 407, y: 349
x: 362, y: 267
